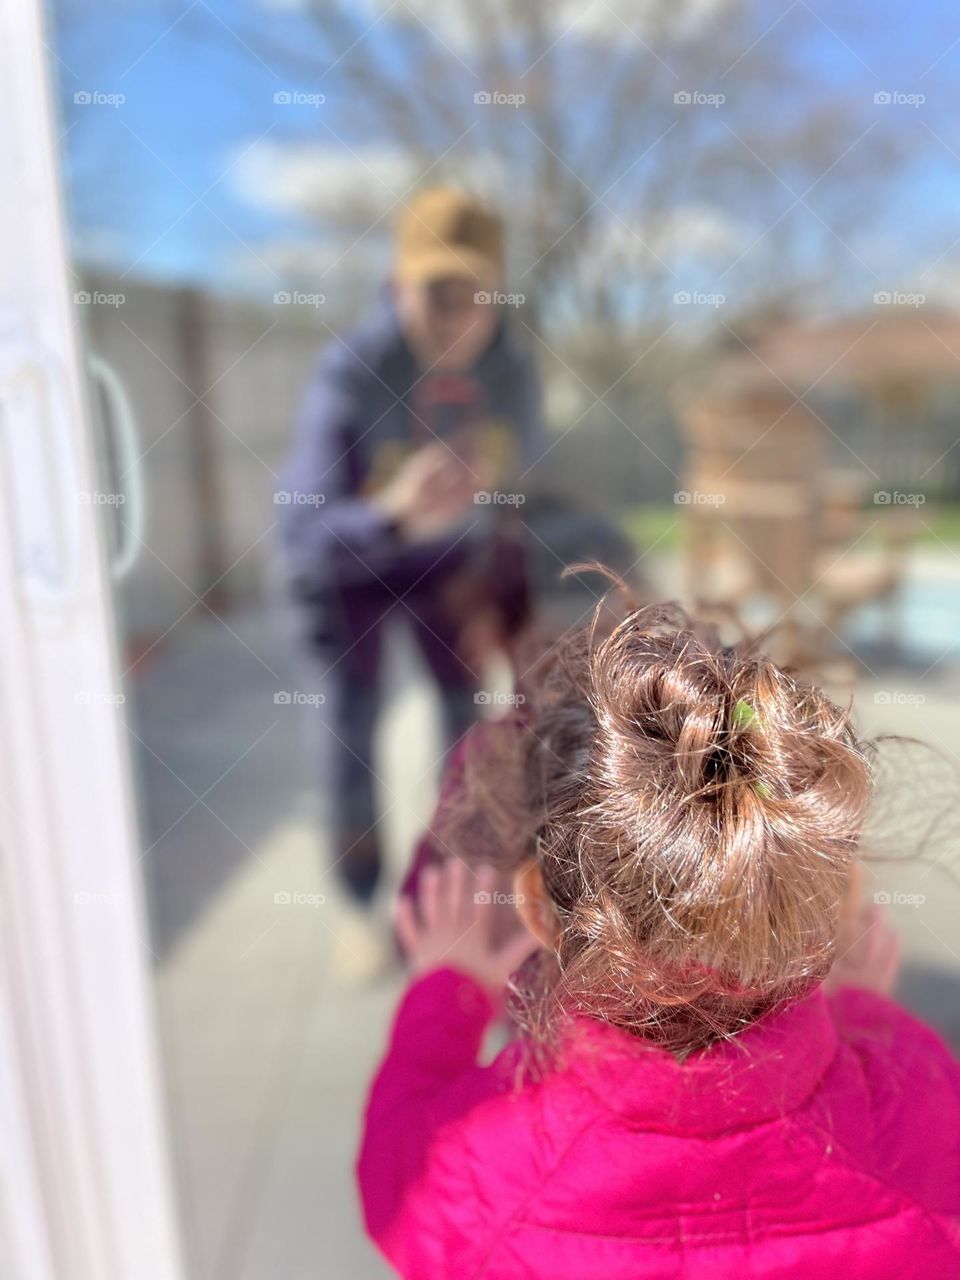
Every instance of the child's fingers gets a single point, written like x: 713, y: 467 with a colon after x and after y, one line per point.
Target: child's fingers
x: 455, y: 891
x: 485, y: 881
x: 405, y: 923
x: 430, y: 897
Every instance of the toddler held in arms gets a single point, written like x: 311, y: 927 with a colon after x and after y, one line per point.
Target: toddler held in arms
x: 706, y: 1081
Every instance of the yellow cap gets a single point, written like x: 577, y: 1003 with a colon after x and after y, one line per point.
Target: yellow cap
x: 444, y: 232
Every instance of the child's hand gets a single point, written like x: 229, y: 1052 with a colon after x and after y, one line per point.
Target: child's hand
x: 453, y: 925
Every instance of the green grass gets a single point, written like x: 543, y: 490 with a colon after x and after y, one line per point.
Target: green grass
x: 661, y: 524
x: 945, y: 523
x: 653, y: 524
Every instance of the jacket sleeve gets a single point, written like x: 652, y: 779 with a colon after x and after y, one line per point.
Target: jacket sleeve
x: 329, y: 533
x: 428, y: 1079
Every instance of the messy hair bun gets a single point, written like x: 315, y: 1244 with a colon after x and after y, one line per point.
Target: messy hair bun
x: 693, y: 808
x: 699, y: 809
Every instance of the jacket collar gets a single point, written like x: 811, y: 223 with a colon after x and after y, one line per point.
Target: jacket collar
x: 764, y: 1072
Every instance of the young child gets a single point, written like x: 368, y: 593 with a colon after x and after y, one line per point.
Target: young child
x: 687, y: 1097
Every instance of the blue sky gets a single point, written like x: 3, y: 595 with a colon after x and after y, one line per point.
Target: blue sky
x: 198, y: 103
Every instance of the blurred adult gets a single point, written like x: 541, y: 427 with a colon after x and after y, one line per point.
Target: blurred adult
x: 403, y: 495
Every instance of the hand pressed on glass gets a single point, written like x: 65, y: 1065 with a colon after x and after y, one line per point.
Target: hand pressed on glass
x: 452, y: 925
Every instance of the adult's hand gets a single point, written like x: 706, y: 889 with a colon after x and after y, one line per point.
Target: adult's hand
x: 429, y: 492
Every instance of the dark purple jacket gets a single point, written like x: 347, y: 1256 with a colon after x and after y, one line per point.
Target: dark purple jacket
x: 366, y: 404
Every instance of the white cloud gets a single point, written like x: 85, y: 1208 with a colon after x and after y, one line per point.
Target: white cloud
x: 359, y: 185
x: 311, y: 178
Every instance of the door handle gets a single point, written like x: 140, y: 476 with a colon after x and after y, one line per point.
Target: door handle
x: 121, y: 426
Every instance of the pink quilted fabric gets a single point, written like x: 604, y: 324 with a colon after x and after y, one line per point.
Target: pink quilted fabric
x: 823, y: 1144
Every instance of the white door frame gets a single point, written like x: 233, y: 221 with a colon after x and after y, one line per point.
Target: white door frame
x: 86, y: 1189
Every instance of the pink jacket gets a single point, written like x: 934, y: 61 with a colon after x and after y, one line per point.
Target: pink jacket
x: 824, y: 1143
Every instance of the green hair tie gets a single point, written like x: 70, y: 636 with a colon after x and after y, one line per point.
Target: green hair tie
x: 743, y: 715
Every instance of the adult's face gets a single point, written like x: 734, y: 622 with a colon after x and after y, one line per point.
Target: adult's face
x: 443, y: 321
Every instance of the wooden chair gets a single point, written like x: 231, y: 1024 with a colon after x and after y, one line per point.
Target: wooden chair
x: 767, y: 533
